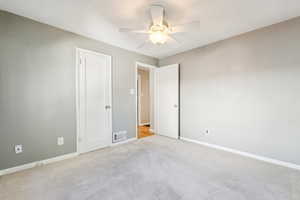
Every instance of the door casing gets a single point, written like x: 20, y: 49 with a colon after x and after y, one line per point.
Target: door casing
x: 152, y: 82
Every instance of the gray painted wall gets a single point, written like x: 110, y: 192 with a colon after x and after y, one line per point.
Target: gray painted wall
x: 37, y: 88
x: 246, y: 91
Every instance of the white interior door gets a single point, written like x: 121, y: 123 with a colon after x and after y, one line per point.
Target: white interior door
x: 94, y: 101
x: 167, y: 100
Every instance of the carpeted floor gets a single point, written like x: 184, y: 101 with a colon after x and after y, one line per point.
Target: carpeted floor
x: 154, y: 168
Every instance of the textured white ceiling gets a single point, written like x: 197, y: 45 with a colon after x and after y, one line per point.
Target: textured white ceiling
x: 100, y: 19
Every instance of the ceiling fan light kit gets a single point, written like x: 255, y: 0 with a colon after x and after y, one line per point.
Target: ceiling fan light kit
x: 159, y: 30
x: 158, y: 34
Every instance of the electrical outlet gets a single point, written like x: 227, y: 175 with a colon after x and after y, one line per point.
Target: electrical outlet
x: 60, y: 141
x: 18, y: 148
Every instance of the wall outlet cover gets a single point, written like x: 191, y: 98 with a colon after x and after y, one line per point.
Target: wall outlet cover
x: 206, y: 131
x: 18, y: 148
x: 60, y: 141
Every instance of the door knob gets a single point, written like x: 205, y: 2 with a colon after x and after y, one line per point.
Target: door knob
x: 107, y: 107
x: 175, y: 106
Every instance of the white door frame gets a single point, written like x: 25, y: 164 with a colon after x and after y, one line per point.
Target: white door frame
x: 152, y: 82
x: 77, y: 98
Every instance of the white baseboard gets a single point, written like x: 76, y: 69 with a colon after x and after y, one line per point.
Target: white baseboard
x: 50, y: 160
x: 250, y: 155
x: 37, y: 163
x: 124, y: 142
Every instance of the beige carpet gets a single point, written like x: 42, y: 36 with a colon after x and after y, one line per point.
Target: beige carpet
x: 154, y: 168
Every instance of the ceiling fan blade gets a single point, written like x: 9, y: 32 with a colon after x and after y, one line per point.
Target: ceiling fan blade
x: 142, y: 45
x: 185, y: 27
x: 157, y: 14
x: 174, y: 39
x: 128, y: 30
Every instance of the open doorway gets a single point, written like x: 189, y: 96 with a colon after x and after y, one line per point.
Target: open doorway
x: 145, y: 100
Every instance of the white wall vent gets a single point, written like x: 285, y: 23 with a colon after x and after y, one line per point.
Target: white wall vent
x: 119, y: 136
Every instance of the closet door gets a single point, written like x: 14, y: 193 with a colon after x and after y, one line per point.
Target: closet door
x: 167, y: 100
x: 95, y: 129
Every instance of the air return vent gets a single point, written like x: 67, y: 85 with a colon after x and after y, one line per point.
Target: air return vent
x: 119, y: 136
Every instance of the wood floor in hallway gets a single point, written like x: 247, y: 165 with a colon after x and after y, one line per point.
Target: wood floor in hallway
x: 144, y: 131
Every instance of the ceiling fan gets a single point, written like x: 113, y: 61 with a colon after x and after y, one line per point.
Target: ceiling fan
x: 160, y: 31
